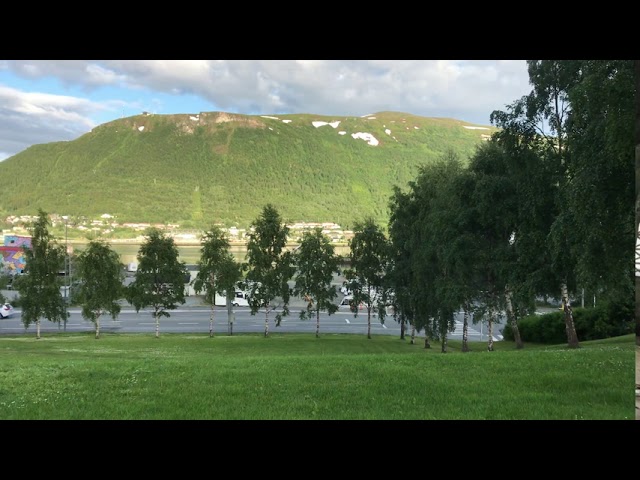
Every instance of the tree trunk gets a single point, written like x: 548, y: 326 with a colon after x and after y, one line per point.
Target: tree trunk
x: 492, y: 314
x: 155, y: 314
x: 426, y: 342
x: 211, y: 319
x: 318, y: 323
x: 369, y: 322
x: 465, y: 329
x: 98, y: 326
x: 38, y: 328
x: 572, y: 336
x: 512, y: 321
x: 443, y: 344
x: 266, y: 322
x: 402, y: 328
x: 229, y: 313
x: 212, y: 280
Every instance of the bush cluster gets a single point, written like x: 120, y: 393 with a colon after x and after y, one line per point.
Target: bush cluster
x: 604, y: 321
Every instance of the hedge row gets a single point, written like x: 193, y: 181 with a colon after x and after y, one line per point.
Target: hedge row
x: 603, y: 321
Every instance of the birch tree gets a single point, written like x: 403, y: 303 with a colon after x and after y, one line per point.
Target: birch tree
x: 400, y: 277
x: 269, y: 265
x: 370, y: 255
x: 216, y: 274
x: 100, y: 274
x: 229, y: 275
x: 160, y: 278
x: 316, y: 263
x: 39, y: 288
x: 524, y: 129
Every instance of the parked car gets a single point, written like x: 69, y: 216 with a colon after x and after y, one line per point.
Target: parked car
x: 6, y: 310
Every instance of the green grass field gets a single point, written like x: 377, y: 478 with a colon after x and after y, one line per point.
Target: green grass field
x: 290, y: 376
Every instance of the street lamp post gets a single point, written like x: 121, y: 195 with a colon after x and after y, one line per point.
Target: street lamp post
x: 66, y: 258
x: 66, y: 265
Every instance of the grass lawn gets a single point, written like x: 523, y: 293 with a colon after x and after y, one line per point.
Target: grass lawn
x: 297, y: 376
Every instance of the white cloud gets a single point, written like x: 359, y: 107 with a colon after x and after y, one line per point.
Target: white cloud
x: 32, y: 118
x: 461, y: 89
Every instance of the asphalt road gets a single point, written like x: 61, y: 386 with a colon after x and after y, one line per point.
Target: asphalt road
x: 195, y: 319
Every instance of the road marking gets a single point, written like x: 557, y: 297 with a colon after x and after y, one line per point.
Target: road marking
x: 188, y: 323
x: 384, y: 326
x: 347, y: 320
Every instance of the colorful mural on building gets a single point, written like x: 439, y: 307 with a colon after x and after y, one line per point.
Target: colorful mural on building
x: 12, y: 253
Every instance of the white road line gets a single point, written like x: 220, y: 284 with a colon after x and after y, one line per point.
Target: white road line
x: 347, y: 320
x: 188, y: 323
x: 384, y: 326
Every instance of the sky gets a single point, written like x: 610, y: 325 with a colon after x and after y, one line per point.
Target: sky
x: 44, y: 101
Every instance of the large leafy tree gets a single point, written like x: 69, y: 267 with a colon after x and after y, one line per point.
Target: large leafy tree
x: 216, y: 270
x: 412, y: 263
x: 491, y: 197
x: 100, y: 275
x: 40, y: 288
x: 370, y: 255
x: 316, y: 263
x: 523, y: 129
x: 160, y: 278
x: 588, y: 229
x: 601, y: 192
x: 269, y: 265
x: 441, y: 249
x: 432, y: 252
x: 399, y: 278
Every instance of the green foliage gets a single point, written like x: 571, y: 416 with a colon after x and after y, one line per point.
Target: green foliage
x: 270, y: 266
x: 609, y: 319
x: 218, y: 271
x: 100, y: 276
x: 604, y: 321
x: 152, y: 174
x: 432, y: 247
x: 602, y: 192
x: 213, y: 254
x: 548, y: 328
x: 39, y: 288
x: 159, y: 279
x: 316, y: 263
x: 370, y: 256
x: 399, y: 277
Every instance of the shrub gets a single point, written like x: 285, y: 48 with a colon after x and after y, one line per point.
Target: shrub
x: 604, y: 321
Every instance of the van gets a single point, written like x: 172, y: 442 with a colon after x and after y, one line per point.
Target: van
x: 240, y: 299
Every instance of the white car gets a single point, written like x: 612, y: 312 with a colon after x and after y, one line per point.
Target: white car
x: 6, y: 310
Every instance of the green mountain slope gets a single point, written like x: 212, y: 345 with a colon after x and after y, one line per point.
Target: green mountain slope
x: 220, y: 167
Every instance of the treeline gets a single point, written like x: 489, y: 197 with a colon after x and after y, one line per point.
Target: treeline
x: 536, y: 212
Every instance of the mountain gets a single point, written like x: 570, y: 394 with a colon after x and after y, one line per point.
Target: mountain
x: 218, y: 167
